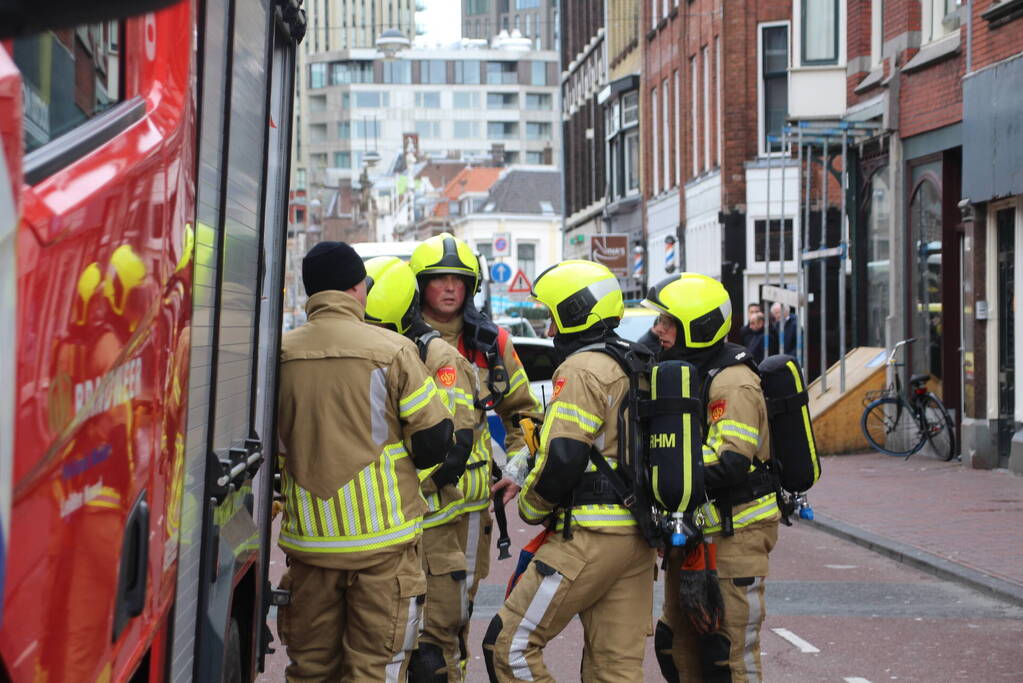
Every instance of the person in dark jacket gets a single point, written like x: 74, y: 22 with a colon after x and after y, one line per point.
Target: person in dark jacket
x: 753, y: 336
x: 783, y: 322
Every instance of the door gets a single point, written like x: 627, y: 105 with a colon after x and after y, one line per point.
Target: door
x: 1005, y: 229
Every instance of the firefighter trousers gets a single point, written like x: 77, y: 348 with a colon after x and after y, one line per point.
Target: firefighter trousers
x: 605, y: 578
x: 732, y: 653
x: 352, y: 625
x: 446, y: 611
x: 474, y: 530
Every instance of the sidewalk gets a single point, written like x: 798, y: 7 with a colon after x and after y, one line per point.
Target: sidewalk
x: 962, y: 524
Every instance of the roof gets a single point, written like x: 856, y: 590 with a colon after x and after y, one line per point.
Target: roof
x: 440, y: 172
x: 469, y: 180
x: 526, y: 191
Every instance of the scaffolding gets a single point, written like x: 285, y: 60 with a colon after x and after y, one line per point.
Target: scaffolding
x: 820, y: 143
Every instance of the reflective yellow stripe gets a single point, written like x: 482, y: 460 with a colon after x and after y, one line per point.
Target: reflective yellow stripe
x: 710, y: 456
x: 738, y: 430
x: 417, y: 399
x: 569, y: 412
x: 530, y: 513
x: 763, y: 508
x: 518, y: 378
x: 596, y: 516
x: 352, y: 544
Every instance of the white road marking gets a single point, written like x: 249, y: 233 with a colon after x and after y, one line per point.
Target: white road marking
x: 856, y: 679
x: 841, y: 566
x: 788, y: 635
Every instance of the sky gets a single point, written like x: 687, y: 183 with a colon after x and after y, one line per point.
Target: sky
x: 442, y: 20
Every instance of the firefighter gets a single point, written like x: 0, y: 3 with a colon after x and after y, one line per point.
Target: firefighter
x: 741, y: 519
x: 448, y: 274
x: 357, y: 415
x: 600, y: 567
x: 392, y: 301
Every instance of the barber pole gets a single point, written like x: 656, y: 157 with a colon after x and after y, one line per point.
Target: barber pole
x: 669, y: 254
x: 638, y: 263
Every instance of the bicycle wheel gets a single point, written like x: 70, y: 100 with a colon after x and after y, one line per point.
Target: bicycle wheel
x: 889, y: 427
x: 939, y: 428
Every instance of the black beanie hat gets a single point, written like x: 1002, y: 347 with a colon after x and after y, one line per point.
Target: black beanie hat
x: 331, y: 265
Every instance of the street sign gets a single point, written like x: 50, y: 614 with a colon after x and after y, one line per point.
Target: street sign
x: 786, y: 296
x: 611, y: 251
x: 502, y: 244
x: 500, y: 273
x: 520, y: 284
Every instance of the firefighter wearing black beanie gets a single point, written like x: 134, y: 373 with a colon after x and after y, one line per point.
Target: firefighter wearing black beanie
x: 331, y: 265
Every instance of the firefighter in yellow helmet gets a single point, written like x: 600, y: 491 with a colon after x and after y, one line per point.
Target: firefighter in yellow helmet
x: 392, y: 302
x: 741, y: 520
x: 448, y: 274
x: 358, y: 415
x: 594, y: 562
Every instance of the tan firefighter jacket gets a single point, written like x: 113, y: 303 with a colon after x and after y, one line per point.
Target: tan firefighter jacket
x: 520, y: 398
x: 351, y: 396
x: 589, y: 388
x: 457, y: 383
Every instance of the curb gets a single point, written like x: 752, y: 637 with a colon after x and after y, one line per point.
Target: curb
x: 922, y: 560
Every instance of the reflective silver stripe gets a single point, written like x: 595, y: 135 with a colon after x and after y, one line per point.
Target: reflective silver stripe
x: 754, y: 599
x: 472, y: 548
x: 587, y: 421
x: 602, y: 288
x: 327, y: 512
x: 534, y: 613
x: 376, y: 523
x: 308, y: 525
x: 378, y: 405
x: 409, y: 529
x: 417, y: 399
x: 391, y: 486
x: 411, y: 631
x: 351, y: 520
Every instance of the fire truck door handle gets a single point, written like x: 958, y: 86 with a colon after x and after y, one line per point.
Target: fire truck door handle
x: 134, y: 565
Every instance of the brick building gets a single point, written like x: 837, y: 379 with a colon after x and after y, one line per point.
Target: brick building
x: 992, y: 233
x: 715, y: 86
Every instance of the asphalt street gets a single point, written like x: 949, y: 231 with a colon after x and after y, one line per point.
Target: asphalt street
x: 836, y: 612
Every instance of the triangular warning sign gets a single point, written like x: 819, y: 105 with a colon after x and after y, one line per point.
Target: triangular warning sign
x: 520, y: 284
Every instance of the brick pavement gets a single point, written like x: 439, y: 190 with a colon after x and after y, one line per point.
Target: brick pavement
x: 961, y: 523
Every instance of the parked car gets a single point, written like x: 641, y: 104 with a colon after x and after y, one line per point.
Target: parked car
x: 518, y: 327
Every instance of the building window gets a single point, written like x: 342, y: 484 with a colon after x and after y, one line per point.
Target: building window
x: 878, y: 257
x: 529, y: 25
x: 502, y: 73
x: 486, y: 250
x: 775, y: 78
x: 397, y: 71
x: 654, y: 147
x: 694, y: 123
x: 535, y: 158
x: 428, y: 129
x: 342, y: 159
x: 433, y: 71
x: 300, y: 178
x: 502, y: 100
x: 371, y: 100
x: 527, y: 258
x: 718, y: 98
x: 527, y: 4
x: 820, y: 31
x: 428, y: 100
x: 876, y: 31
x: 760, y: 233
x: 502, y: 130
x: 367, y: 128
x: 678, y: 129
x: 932, y: 20
x: 467, y: 130
x: 630, y: 108
x: 465, y: 100
x: 665, y: 133
x: 925, y: 252
x: 538, y: 130
x: 344, y: 130
x: 632, y: 162
x: 467, y: 71
x: 538, y: 101
x: 706, y: 108
x: 538, y: 73
x: 318, y: 75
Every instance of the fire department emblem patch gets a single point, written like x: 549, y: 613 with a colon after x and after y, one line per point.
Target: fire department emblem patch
x: 447, y: 375
x: 558, y: 385
x: 717, y: 410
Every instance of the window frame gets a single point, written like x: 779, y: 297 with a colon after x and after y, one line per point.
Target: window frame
x: 762, y: 149
x: 803, y: 29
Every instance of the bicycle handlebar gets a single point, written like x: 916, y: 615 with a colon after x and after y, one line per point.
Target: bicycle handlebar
x: 891, y: 356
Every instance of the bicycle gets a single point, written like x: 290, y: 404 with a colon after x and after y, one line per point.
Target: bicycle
x: 900, y: 424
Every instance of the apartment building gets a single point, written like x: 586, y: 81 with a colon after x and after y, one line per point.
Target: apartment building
x: 536, y: 20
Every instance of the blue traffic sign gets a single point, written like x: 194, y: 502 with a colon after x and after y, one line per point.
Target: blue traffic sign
x: 500, y: 273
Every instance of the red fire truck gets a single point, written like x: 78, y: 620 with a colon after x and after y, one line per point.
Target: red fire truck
x: 144, y: 152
